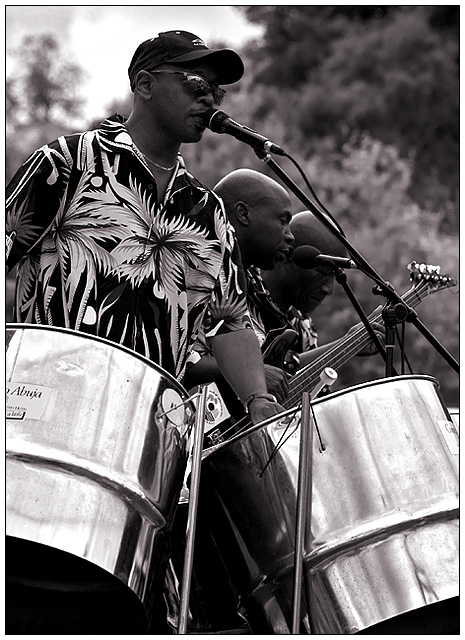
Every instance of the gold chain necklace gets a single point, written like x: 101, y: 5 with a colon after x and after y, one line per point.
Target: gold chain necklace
x: 144, y: 158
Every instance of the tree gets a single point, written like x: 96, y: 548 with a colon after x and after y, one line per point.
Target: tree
x: 391, y: 72
x: 44, y: 86
x: 368, y: 195
x: 42, y: 97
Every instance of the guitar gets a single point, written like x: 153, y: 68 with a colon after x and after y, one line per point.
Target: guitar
x: 426, y: 280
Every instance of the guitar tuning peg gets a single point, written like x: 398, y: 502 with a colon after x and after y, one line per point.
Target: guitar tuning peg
x: 429, y: 268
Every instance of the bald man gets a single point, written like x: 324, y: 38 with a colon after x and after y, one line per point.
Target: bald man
x: 259, y: 209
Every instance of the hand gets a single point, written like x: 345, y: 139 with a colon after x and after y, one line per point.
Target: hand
x: 372, y: 349
x: 260, y: 409
x: 276, y: 382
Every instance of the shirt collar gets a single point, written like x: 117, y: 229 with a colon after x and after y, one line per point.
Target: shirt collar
x: 113, y: 134
x: 292, y: 313
x: 115, y: 137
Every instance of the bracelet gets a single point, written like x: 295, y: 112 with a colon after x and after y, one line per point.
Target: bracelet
x: 255, y: 396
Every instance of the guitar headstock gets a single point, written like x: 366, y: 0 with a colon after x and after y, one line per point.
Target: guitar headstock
x: 421, y: 273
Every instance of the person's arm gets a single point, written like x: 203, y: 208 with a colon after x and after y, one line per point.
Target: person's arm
x: 202, y: 372
x: 207, y: 370
x: 239, y: 359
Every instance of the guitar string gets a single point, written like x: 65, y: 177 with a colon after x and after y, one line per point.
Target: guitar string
x: 408, y: 298
x: 297, y: 385
x: 244, y: 423
x: 317, y: 364
x: 416, y: 292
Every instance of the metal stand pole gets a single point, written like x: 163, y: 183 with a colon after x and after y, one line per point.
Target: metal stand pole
x: 192, y: 512
x: 304, y: 490
x: 306, y: 445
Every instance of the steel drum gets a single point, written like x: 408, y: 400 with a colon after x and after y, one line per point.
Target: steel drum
x: 97, y: 444
x: 381, y: 554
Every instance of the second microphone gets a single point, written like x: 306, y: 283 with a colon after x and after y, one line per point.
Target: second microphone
x: 308, y: 257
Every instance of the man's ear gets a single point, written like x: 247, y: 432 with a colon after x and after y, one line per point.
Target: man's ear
x: 144, y: 84
x: 241, y: 211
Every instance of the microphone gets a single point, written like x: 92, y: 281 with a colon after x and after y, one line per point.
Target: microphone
x: 219, y: 122
x: 308, y: 257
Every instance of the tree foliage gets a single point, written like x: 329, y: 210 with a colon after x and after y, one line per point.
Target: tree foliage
x: 368, y: 195
x: 44, y: 85
x: 42, y: 97
x: 391, y: 72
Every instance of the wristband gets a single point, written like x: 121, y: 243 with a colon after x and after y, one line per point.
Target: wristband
x: 256, y: 396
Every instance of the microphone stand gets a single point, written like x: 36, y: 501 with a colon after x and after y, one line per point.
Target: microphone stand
x: 341, y: 277
x: 392, y: 314
x: 386, y: 288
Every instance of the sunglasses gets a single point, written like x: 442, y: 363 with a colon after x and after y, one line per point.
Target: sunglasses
x: 197, y: 84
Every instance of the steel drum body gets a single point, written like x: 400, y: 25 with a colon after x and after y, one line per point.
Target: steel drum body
x: 383, y: 541
x: 94, y: 463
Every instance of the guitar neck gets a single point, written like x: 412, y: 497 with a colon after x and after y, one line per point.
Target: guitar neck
x: 341, y: 352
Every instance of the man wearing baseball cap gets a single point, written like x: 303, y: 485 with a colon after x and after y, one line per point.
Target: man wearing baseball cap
x: 114, y: 238
x: 179, y: 48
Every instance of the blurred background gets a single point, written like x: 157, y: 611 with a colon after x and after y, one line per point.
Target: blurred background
x: 364, y: 98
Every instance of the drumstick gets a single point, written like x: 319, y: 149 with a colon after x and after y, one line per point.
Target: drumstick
x: 327, y: 377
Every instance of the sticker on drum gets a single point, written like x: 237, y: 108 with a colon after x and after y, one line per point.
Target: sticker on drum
x: 215, y: 409
x: 173, y: 407
x: 451, y: 435
x: 26, y: 401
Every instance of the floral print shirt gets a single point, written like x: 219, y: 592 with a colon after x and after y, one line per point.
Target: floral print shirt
x: 265, y: 314
x: 308, y: 336
x: 268, y: 321
x: 95, y: 252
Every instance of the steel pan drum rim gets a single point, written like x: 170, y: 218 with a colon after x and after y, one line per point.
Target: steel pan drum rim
x: 325, y: 552
x: 372, y: 383
x: 14, y: 326
x: 314, y: 559
x: 126, y: 490
x: 256, y: 427
x: 313, y: 564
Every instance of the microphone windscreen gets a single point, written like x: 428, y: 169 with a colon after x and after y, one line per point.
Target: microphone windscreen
x: 305, y: 256
x: 214, y: 119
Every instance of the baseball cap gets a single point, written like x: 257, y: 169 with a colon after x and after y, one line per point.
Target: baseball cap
x: 178, y: 47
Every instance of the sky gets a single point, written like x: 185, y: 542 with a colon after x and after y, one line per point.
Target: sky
x: 103, y: 38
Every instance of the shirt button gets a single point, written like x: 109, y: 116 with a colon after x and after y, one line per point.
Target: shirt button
x: 150, y: 186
